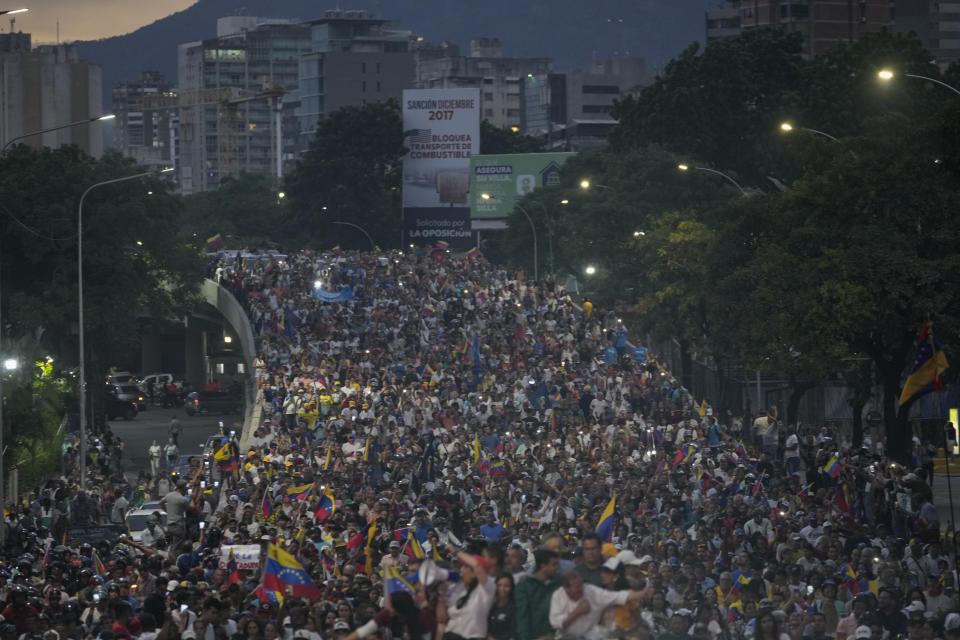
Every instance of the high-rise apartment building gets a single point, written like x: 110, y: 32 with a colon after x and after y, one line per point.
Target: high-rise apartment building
x: 823, y: 23
x: 572, y: 110
x: 45, y: 87
x: 498, y: 78
x: 353, y: 58
x: 146, y: 120
x: 232, y: 89
x: 936, y: 23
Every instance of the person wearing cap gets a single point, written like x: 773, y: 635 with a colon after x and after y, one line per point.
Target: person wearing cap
x: 394, y: 558
x: 576, y: 608
x: 532, y: 596
x: 619, y: 619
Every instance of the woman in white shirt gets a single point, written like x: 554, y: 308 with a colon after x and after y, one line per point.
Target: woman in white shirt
x: 469, y: 600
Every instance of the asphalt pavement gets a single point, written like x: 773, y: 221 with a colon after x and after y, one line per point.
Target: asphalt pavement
x: 138, y: 434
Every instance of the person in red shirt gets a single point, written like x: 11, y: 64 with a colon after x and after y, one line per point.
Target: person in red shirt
x: 18, y: 612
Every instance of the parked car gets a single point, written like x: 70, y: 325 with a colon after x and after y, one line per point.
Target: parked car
x: 128, y: 392
x: 119, y: 405
x: 186, y: 465
x: 137, y: 521
x: 121, y: 377
x: 212, y: 402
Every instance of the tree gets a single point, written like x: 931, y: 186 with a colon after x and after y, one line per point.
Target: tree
x: 242, y: 209
x: 134, y: 261
x: 503, y: 140
x: 722, y: 105
x: 350, y: 173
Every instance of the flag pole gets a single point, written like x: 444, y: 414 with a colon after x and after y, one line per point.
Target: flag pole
x: 946, y: 459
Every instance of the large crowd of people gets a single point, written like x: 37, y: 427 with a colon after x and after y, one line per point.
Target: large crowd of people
x: 451, y: 451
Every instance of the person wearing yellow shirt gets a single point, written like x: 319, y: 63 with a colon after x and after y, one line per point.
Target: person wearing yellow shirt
x: 587, y: 309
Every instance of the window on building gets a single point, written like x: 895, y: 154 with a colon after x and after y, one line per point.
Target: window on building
x: 488, y: 96
x: 363, y: 67
x: 488, y: 113
x: 220, y: 368
x: 363, y: 87
x: 608, y: 89
x: 378, y: 67
x: 597, y: 108
x: 378, y: 86
x: 241, y: 368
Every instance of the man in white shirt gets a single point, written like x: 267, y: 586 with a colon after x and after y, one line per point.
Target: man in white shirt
x: 575, y: 609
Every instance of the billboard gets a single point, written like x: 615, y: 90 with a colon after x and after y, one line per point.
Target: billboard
x: 441, y: 130
x: 506, y: 178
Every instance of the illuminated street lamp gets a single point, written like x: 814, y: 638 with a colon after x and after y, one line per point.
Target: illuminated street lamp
x: 686, y: 167
x: 590, y: 270
x: 9, y: 142
x: 887, y: 75
x: 786, y: 127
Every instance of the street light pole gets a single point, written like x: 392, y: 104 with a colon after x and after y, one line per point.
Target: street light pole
x: 786, y: 127
x: 684, y: 167
x: 9, y: 142
x: 536, y: 266
x: 359, y: 228
x: 82, y: 383
x: 886, y: 75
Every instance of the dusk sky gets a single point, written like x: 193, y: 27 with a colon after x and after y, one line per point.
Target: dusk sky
x: 86, y: 19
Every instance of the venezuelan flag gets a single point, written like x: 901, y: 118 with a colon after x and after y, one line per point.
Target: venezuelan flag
x: 214, y: 241
x: 395, y: 582
x: 226, y: 458
x: 300, y: 493
x: 703, y: 480
x: 833, y: 467
x: 683, y: 455
x: 368, y: 551
x: 473, y: 253
x: 850, y: 572
x: 282, y: 571
x: 605, y: 526
x: 929, y: 363
x: 327, y: 506
x: 482, y: 298
x: 428, y: 310
x: 233, y: 573
x: 326, y: 462
x: 336, y: 249
x: 661, y: 466
x: 497, y: 468
x: 366, y: 450
x: 413, y: 548
x: 266, y: 507
x: 443, y: 244
x: 476, y: 450
x: 843, y: 499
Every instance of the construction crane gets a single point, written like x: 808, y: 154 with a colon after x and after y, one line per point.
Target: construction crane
x: 229, y: 125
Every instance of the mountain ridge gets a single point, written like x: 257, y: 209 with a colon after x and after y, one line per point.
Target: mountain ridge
x: 569, y: 31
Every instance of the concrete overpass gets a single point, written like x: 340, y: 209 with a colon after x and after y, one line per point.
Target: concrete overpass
x: 214, y: 342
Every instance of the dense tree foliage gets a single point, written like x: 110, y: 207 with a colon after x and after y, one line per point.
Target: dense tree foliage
x: 351, y: 173
x: 134, y: 261
x: 839, y: 254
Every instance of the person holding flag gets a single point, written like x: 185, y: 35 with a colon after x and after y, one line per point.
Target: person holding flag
x: 282, y: 574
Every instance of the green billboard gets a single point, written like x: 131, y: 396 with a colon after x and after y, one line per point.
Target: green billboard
x: 499, y: 181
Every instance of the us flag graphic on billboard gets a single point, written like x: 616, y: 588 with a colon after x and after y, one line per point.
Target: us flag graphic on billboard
x: 420, y: 136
